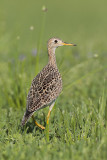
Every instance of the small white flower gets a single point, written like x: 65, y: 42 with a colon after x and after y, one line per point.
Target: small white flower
x: 31, y: 28
x: 95, y: 55
x: 44, y: 9
x: 18, y: 37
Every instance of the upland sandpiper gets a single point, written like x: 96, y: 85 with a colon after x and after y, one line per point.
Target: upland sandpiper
x: 46, y: 86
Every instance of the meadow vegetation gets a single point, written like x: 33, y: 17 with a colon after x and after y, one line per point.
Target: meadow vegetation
x: 78, y: 122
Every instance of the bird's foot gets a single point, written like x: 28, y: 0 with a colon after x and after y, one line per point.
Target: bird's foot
x: 39, y: 125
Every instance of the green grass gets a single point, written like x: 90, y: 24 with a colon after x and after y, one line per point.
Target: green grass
x: 78, y: 122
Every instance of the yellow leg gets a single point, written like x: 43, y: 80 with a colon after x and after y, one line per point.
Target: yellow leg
x: 48, y: 116
x: 40, y: 126
x: 50, y: 108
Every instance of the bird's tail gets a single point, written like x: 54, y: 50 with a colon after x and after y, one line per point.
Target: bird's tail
x: 26, y: 117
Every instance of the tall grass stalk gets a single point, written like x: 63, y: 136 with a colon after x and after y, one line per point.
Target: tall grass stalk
x: 40, y: 40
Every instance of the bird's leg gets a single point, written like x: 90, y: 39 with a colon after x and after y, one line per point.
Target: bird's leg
x: 50, y: 108
x: 39, y: 125
x: 48, y: 116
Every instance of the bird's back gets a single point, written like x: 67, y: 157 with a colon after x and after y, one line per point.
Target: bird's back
x: 45, y: 88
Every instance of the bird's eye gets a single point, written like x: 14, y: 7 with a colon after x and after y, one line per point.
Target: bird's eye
x: 55, y: 41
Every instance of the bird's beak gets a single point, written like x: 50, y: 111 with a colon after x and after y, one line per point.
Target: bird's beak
x: 68, y: 44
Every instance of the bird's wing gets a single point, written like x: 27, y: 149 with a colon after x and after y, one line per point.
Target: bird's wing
x: 44, y: 89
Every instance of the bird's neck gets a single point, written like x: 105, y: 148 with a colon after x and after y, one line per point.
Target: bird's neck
x: 52, y: 58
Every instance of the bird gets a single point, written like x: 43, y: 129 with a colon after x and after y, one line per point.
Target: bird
x: 46, y: 86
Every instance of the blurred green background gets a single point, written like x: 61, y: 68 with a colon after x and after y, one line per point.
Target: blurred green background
x: 83, y: 22
x: 78, y: 123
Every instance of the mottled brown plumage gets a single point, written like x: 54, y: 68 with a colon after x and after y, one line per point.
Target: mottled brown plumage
x: 47, y: 85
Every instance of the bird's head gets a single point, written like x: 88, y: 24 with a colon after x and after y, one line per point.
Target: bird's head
x: 53, y: 43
